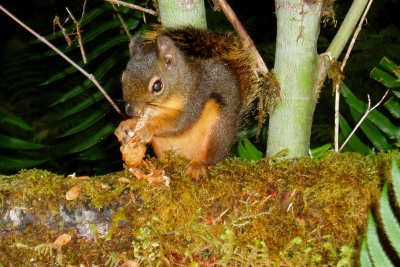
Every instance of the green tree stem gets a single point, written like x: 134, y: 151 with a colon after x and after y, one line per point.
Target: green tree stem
x: 347, y: 28
x: 301, y: 72
x: 179, y: 13
x: 296, y: 67
x: 341, y: 38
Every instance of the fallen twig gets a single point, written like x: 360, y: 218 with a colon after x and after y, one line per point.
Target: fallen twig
x: 89, y: 76
x: 363, y: 118
x: 152, y: 12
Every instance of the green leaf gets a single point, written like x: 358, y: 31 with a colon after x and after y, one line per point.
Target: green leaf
x: 132, y: 23
x: 390, y: 224
x: 377, y: 118
x: 248, y: 132
x: 248, y: 151
x: 373, y: 133
x: 107, y: 64
x: 94, y: 139
x: 385, y: 78
x: 14, y: 143
x: 92, y: 55
x: 8, y: 117
x: 94, y: 153
x: 83, y: 105
x: 365, y: 260
x: 87, y: 36
x: 396, y: 179
x: 94, y: 117
x: 12, y: 164
x: 375, y: 248
x: 354, y: 142
x: 390, y: 66
x: 319, y: 151
x: 74, y: 91
x: 393, y: 107
x: 243, y: 154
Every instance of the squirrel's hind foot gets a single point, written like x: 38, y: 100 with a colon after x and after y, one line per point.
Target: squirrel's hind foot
x: 195, y: 169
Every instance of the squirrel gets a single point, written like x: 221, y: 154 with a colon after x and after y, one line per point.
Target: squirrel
x: 190, y: 89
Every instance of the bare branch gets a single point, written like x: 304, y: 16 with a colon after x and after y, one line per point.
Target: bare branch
x: 78, y: 34
x: 337, y: 102
x: 363, y: 118
x: 346, y: 57
x: 83, y: 11
x: 152, y: 12
x: 242, y: 34
x: 90, y: 76
x: 57, y: 21
x: 337, y: 124
x: 122, y: 21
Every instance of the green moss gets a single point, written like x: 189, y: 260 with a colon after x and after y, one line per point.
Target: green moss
x: 298, y: 212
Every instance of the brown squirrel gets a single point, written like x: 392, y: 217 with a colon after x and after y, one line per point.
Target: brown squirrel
x: 194, y: 88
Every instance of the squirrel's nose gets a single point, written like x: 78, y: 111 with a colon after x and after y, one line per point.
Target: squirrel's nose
x: 134, y: 110
x: 129, y: 110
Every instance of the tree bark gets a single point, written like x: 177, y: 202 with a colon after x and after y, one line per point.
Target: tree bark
x: 182, y: 13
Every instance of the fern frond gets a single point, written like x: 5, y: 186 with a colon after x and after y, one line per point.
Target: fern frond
x: 354, y: 143
x: 14, y: 143
x: 373, y: 133
x: 7, y: 117
x: 13, y: 164
x: 377, y: 118
x: 93, y: 118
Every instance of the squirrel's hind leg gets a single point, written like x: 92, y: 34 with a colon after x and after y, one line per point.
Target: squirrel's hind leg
x: 195, y: 169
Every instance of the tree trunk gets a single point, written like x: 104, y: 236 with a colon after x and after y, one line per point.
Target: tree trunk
x: 182, y: 13
x: 300, y: 71
x: 296, y: 67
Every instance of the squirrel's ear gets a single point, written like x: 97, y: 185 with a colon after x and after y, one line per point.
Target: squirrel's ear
x: 167, y: 50
x: 135, y: 44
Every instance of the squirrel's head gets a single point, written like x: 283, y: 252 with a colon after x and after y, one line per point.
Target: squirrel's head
x: 153, y: 82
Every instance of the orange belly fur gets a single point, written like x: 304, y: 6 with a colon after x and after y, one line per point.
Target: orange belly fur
x: 194, y: 143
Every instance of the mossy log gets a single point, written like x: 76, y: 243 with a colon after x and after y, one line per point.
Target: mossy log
x: 265, y: 213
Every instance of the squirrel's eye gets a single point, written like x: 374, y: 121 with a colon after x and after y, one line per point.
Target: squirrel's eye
x: 157, y: 87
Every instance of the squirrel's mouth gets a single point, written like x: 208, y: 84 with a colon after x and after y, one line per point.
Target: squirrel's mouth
x: 145, y: 111
x: 137, y: 110
x: 151, y: 112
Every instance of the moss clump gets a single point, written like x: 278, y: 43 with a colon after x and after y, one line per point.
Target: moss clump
x: 265, y: 213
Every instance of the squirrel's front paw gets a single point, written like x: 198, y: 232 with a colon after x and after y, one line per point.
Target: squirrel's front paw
x: 145, y: 134
x: 125, y: 130
x: 132, y: 149
x: 195, y: 169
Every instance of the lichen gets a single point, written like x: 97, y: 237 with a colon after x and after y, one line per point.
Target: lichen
x: 266, y: 213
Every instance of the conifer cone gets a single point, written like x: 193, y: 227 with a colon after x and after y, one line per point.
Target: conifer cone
x: 133, y: 152
x: 132, y: 149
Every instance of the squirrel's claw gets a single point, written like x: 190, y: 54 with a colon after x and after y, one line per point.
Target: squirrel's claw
x: 125, y: 130
x: 195, y: 169
x: 145, y: 134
